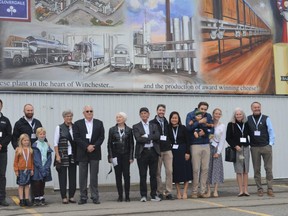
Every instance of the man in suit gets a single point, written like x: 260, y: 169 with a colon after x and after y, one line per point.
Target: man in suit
x: 147, y: 153
x: 166, y: 155
x: 88, y: 135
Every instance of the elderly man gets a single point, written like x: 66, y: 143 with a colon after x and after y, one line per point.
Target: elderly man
x: 88, y: 135
x: 147, y: 153
x: 262, y: 139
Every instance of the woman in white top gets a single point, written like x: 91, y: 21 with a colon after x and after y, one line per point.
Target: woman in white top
x: 216, y: 174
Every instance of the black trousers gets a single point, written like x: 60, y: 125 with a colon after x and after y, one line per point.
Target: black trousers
x: 62, y: 176
x: 38, y: 188
x: 149, y: 158
x: 123, y: 168
x: 3, y: 166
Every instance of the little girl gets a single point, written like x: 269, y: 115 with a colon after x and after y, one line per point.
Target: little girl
x: 23, y: 168
x: 42, y: 163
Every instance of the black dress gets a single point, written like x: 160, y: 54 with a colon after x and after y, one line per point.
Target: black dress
x: 182, y: 169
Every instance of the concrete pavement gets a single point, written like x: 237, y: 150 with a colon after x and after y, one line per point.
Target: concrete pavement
x: 226, y: 203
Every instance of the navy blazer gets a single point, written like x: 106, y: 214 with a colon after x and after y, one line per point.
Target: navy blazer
x: 138, y: 131
x: 97, y: 138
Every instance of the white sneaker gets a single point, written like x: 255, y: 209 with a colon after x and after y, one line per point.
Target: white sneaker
x: 143, y: 199
x: 156, y: 199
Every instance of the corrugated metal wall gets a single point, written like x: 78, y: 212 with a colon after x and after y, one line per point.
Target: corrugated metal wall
x: 48, y: 109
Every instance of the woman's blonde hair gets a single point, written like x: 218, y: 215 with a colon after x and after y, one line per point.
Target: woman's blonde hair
x: 20, y: 148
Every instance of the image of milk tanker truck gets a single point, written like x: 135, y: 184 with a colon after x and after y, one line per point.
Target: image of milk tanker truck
x: 33, y: 50
x: 86, y: 55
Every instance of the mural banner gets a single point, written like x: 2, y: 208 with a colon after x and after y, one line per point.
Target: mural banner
x: 183, y: 46
x: 15, y: 10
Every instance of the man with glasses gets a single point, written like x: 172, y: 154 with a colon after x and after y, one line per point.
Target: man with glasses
x: 88, y: 135
x: 200, y: 148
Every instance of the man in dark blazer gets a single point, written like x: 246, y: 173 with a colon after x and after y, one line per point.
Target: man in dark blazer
x: 147, y: 153
x: 88, y: 135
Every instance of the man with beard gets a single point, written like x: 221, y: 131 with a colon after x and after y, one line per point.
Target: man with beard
x: 26, y: 124
x: 166, y: 155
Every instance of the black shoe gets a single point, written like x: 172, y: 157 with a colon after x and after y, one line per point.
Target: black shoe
x: 170, y: 197
x: 82, y: 201
x: 27, y: 202
x: 71, y: 200
x: 96, y: 201
x: 21, y: 203
x: 161, y: 196
x: 4, y: 203
x: 120, y: 199
x: 127, y: 199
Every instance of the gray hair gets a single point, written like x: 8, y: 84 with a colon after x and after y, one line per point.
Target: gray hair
x: 67, y: 112
x: 233, y: 119
x: 87, y: 106
x: 124, y: 115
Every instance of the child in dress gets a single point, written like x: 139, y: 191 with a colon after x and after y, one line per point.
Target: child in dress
x: 23, y: 168
x: 42, y: 166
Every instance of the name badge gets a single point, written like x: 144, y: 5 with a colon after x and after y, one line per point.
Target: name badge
x: 243, y: 140
x: 175, y: 146
x: 163, y: 138
x: 88, y: 136
x: 257, y: 133
x: 1, y: 134
x: 33, y: 136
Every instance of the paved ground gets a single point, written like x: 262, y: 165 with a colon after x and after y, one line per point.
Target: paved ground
x: 227, y: 204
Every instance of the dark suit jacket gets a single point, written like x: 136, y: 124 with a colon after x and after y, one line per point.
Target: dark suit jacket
x: 79, y: 134
x: 154, y: 135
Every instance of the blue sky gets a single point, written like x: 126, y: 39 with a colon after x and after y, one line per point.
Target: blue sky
x: 155, y: 14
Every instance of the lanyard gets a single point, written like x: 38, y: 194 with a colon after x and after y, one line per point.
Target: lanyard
x: 26, y: 158
x: 121, y: 134
x: 257, y: 121
x: 241, y: 129
x: 175, y: 133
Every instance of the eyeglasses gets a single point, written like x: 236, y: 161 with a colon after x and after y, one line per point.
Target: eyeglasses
x: 89, y: 111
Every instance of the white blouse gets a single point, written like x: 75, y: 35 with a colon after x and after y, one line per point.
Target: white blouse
x: 219, y: 137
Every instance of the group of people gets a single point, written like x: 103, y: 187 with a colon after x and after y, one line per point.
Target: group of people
x: 191, y: 152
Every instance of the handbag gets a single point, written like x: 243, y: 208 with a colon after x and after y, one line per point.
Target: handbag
x: 230, y: 154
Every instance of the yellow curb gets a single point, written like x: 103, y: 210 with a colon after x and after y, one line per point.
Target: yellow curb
x: 29, y: 210
x: 232, y: 208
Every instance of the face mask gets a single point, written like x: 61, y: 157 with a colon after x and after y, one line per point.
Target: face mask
x: 41, y: 139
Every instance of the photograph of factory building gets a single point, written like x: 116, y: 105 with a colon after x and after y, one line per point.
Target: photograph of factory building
x: 186, y: 46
